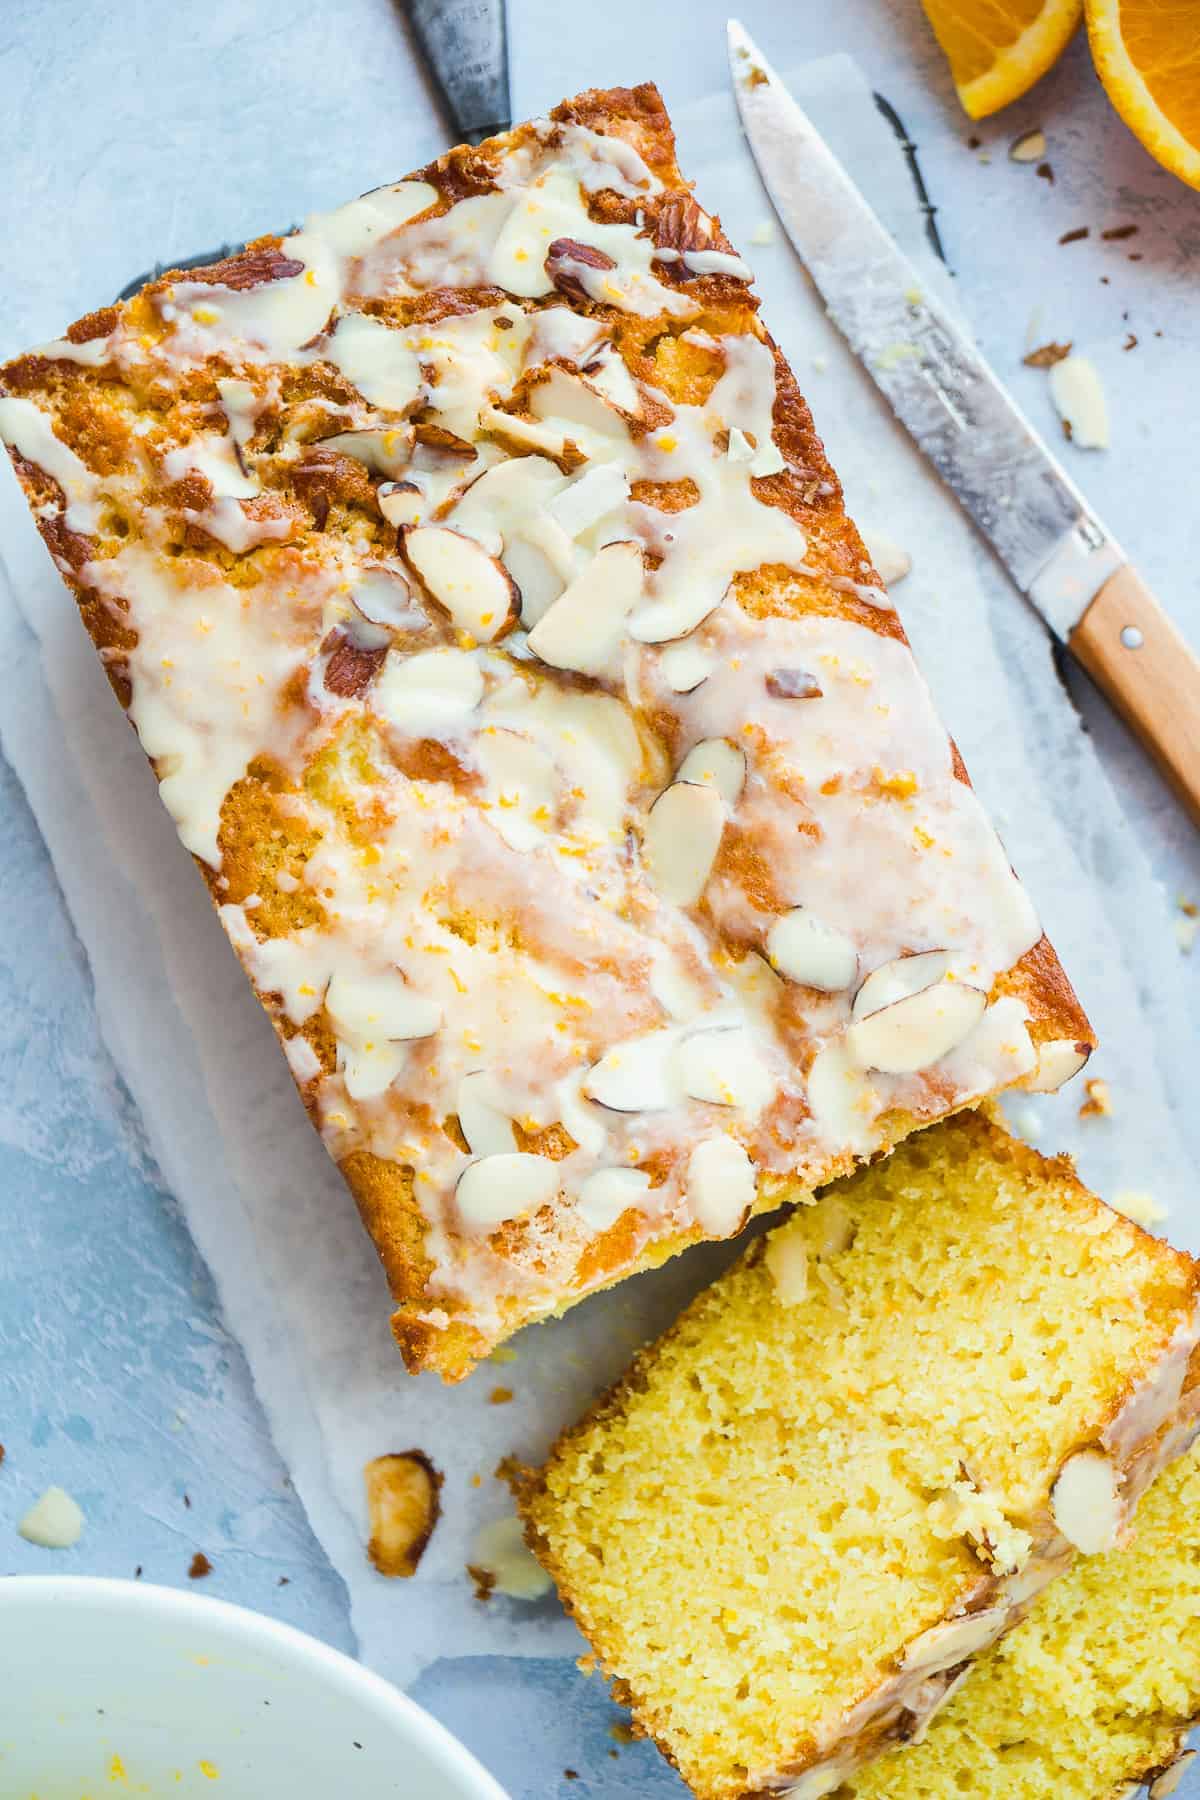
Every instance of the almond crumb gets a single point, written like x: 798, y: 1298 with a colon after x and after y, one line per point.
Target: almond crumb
x: 1098, y: 1104
x: 500, y: 1396
x: 403, y: 1507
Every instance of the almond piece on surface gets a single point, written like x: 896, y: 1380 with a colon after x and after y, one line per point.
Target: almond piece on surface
x: 598, y: 490
x: 953, y: 1642
x: 685, y: 665
x: 482, y: 1120
x: 607, y: 1193
x: 507, y: 1186
x: 403, y: 1506
x: 475, y: 588
x: 1086, y: 1502
x: 803, y: 948
x: 716, y: 763
x: 433, y: 694
x: 584, y: 628
x: 385, y: 449
x: 721, y: 1065
x: 380, y: 1006
x: 721, y: 1185
x: 897, y: 979
x: 639, y: 1075
x: 1058, y: 1060
x: 913, y: 1033
x: 682, y: 836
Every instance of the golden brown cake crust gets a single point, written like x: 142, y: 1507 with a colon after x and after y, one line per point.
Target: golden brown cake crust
x: 1141, y: 1438
x: 274, y: 507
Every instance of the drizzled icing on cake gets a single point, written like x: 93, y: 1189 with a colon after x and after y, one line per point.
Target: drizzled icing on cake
x: 647, y: 928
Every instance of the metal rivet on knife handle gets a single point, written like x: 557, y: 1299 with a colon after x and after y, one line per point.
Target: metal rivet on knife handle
x: 1157, y: 692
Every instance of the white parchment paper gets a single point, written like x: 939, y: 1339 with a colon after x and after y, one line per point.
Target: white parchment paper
x: 298, y: 1279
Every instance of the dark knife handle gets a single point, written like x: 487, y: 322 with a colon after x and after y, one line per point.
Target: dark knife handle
x: 465, y: 43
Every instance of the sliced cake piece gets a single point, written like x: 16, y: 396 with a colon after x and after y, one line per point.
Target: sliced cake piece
x: 851, y: 1463
x: 1092, y: 1695
x: 473, y: 574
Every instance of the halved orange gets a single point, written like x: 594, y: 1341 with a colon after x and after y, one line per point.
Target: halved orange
x: 1147, y: 54
x: 997, y: 49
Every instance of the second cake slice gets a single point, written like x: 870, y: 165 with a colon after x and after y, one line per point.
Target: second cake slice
x: 854, y: 1460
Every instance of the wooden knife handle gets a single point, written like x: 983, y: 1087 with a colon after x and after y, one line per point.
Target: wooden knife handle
x: 1133, y: 653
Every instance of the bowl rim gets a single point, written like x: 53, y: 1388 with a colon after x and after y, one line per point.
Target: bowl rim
x: 255, y: 1629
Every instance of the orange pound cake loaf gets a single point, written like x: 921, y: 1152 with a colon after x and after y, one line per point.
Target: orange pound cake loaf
x: 1092, y: 1695
x: 853, y: 1461
x: 474, y: 578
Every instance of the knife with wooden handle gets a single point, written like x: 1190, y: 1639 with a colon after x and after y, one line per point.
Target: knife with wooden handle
x: 948, y: 399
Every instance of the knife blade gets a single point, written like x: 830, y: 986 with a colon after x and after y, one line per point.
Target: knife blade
x: 465, y: 43
x: 942, y: 390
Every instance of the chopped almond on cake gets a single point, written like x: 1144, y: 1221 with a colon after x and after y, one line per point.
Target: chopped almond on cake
x: 1093, y: 1694
x: 854, y: 1460
x: 474, y: 577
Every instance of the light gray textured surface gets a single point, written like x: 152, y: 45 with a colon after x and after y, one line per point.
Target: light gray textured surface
x: 116, y: 1377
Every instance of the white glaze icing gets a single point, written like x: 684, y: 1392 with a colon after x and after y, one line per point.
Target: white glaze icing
x: 616, y: 988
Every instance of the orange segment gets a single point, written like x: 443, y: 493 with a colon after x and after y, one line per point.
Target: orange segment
x: 1147, y: 54
x: 997, y: 49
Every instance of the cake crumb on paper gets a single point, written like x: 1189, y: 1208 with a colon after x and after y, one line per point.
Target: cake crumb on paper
x: 1098, y: 1104
x: 764, y: 233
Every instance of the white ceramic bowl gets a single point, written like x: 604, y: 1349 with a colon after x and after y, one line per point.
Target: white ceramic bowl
x: 192, y: 1697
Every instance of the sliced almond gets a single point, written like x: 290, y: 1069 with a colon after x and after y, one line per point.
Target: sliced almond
x: 475, y: 588
x: 401, y: 502
x: 501, y: 1554
x: 55, y: 1521
x: 716, y: 763
x: 914, y: 1033
x: 721, y: 1185
x: 664, y: 618
x: 539, y: 581
x: 786, y: 1257
x: 384, y: 597
x: 639, y: 1075
x: 522, y: 786
x: 684, y: 666
x: 606, y: 1194
x: 499, y: 499
x: 1086, y: 1504
x: 506, y: 1186
x: 403, y: 1506
x: 530, y: 434
x: 840, y: 1097
x: 584, y: 628
x: 674, y: 985
x: 721, y: 1066
x: 892, y: 562
x: 1165, y: 1784
x: 380, y: 1006
x: 562, y: 333
x: 482, y: 1119
x: 569, y: 400
x: 375, y: 358
x: 682, y: 836
x: 434, y: 694
x: 803, y: 948
x: 595, y: 492
x: 1057, y: 1061
x: 385, y: 449
x: 897, y: 979
x: 942, y: 1646
x: 816, y: 1783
